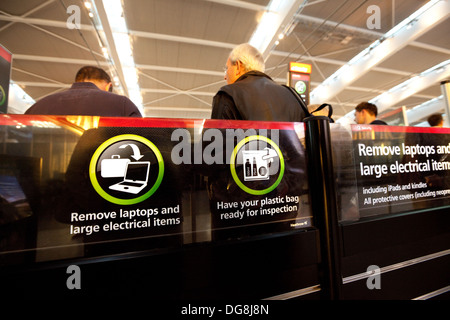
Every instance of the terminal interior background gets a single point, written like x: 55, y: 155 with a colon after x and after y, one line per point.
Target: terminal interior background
x: 168, y: 56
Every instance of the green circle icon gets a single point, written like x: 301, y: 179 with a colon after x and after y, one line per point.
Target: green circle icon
x: 105, y: 145
x: 233, y: 163
x: 300, y: 86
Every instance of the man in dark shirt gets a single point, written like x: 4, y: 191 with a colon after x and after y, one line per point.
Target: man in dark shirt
x: 88, y: 96
x: 366, y: 113
x: 250, y: 94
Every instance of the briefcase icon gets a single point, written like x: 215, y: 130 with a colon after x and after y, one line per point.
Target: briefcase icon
x: 114, y: 167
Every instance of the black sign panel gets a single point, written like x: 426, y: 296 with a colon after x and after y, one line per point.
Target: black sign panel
x: 301, y: 83
x: 138, y: 184
x: 401, y: 169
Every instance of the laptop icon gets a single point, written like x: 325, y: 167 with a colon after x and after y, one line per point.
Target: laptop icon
x: 135, y: 179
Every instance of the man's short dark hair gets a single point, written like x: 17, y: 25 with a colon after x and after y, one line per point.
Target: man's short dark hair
x: 92, y: 73
x: 370, y: 107
x: 435, y: 119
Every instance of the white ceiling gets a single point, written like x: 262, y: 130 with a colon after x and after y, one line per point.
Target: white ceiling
x: 180, y: 48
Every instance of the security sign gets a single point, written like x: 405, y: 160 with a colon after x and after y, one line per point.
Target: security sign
x: 126, y: 169
x: 257, y: 165
x: 300, y: 79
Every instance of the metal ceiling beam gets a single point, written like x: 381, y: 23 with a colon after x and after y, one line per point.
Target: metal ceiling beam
x: 159, y: 36
x: 367, y: 32
x: 336, y: 62
x: 425, y: 110
x: 26, y: 14
x: 183, y: 70
x: 196, y: 41
x: 382, y: 49
x: 378, y: 91
x: 167, y: 37
x: 408, y: 88
x: 42, y: 84
x: 50, y: 23
x: 341, y: 27
x: 43, y: 22
x: 240, y: 4
x: 193, y: 71
x: 172, y: 91
x: 18, y: 56
x: 411, y: 86
x: 178, y: 90
x: 218, y: 44
x: 143, y: 34
x: 36, y: 75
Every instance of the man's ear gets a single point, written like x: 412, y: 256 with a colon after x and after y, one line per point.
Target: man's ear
x: 240, y: 69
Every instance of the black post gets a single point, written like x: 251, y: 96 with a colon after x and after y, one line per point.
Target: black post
x: 323, y: 200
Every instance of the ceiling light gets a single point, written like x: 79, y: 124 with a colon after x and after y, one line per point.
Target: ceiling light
x: 264, y: 32
x: 105, y: 52
x: 270, y: 23
x: 114, y: 11
x: 346, y: 40
x: 122, y: 43
x: 124, y: 51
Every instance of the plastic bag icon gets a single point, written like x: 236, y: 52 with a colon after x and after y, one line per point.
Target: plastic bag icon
x: 257, y: 163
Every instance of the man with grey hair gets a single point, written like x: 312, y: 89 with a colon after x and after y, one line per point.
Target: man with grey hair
x: 250, y: 94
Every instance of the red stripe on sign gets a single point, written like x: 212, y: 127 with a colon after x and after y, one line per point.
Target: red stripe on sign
x: 191, y: 123
x: 93, y: 122
x: 382, y: 128
x: 5, y: 54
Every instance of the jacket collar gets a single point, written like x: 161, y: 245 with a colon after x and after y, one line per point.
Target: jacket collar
x: 253, y: 73
x: 84, y: 85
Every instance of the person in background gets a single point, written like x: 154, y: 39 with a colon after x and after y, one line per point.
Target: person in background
x: 366, y: 113
x: 90, y: 95
x: 436, y: 120
x: 250, y: 94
